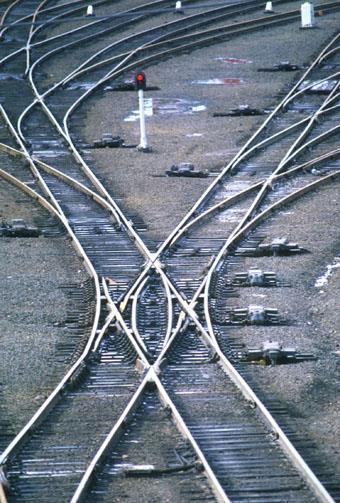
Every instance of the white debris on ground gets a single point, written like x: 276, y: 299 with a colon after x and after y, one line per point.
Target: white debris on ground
x: 323, y: 280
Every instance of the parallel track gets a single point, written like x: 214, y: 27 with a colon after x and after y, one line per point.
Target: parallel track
x: 113, y: 248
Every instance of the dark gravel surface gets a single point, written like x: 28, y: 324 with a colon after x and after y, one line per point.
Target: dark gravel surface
x: 33, y: 309
x: 151, y: 442
x: 309, y: 390
x: 197, y: 137
x: 30, y: 332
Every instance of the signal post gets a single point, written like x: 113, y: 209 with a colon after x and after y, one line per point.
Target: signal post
x: 140, y: 82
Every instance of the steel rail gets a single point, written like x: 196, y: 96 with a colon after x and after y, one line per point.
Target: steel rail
x: 135, y: 297
x: 54, y: 87
x: 64, y: 14
x: 6, y: 13
x: 31, y: 34
x: 29, y: 16
x: 243, y: 151
x: 66, y: 119
x: 247, y: 145
x: 78, y: 9
x: 261, y: 194
x: 26, y: 109
x: 100, y: 21
x: 43, y: 42
x: 249, y: 225
x: 235, y: 29
x: 167, y: 284
x: 28, y: 158
x: 56, y: 393
x: 116, y: 431
x: 104, y: 203
x: 173, y: 237
x: 267, y: 185
x: 230, y: 200
x: 113, y: 73
x: 287, y: 446
x: 75, y: 73
x: 308, y: 87
x: 235, y: 197
x: 132, y: 336
x: 152, y: 375
x: 199, y: 327
x: 85, y: 93
x: 182, y: 317
x: 208, y: 211
x: 296, y: 146
x: 241, y: 9
x: 250, y: 24
x: 83, y: 97
x: 3, y: 498
x: 152, y: 258
x: 330, y: 53
x: 330, y: 132
x: 27, y: 190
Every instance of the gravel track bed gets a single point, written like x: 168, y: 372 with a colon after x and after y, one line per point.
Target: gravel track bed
x: 197, y: 137
x: 29, y: 334
x: 309, y: 390
x: 33, y: 309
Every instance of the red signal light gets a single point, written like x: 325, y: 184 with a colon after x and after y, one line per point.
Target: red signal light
x: 140, y: 81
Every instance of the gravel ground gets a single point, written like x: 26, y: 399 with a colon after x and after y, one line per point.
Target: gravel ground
x: 197, y: 137
x: 33, y: 309
x: 151, y: 439
x: 42, y: 265
x: 310, y: 389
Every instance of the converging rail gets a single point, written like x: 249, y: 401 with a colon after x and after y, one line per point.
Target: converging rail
x: 155, y: 357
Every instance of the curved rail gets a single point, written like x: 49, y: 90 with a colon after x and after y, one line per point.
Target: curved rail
x: 152, y: 372
x: 55, y: 395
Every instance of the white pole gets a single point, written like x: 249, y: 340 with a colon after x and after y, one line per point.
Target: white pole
x: 307, y: 15
x: 143, y: 145
x: 178, y: 7
x: 89, y: 11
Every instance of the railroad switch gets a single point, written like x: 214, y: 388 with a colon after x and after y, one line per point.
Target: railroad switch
x: 252, y: 315
x: 283, y: 66
x: 279, y: 246
x: 273, y: 353
x: 255, y: 277
x: 241, y: 111
x: 108, y: 141
x: 187, y: 170
x: 17, y: 228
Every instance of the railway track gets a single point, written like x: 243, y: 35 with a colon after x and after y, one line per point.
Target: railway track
x: 154, y: 344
